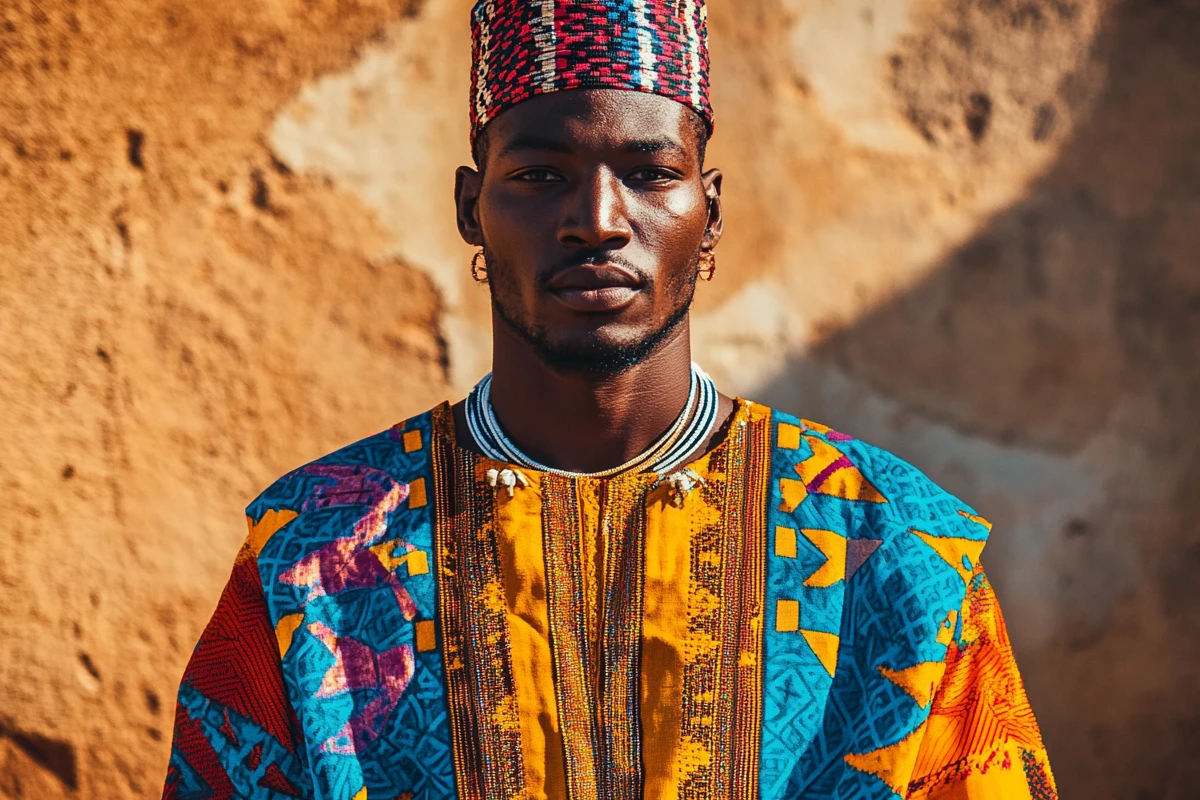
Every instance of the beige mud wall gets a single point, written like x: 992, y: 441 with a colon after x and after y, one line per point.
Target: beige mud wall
x: 964, y: 230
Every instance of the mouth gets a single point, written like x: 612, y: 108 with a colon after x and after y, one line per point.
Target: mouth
x: 595, y: 287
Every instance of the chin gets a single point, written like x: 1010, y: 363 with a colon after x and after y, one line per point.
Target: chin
x: 606, y: 349
x: 592, y: 342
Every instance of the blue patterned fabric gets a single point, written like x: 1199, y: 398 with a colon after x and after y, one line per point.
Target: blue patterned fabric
x: 887, y: 612
x: 410, y: 750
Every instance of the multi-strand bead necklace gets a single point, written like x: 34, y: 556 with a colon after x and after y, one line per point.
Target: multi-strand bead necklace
x: 664, y: 456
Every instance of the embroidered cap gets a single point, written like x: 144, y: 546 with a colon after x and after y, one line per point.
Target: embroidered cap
x: 523, y: 48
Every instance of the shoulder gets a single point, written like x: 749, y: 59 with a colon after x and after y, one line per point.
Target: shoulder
x: 382, y: 472
x: 825, y: 474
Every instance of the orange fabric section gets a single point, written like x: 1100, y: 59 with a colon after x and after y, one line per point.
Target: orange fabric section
x: 518, y: 528
x: 981, y: 740
x: 665, y: 644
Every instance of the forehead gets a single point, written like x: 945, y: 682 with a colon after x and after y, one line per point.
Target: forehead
x: 593, y: 119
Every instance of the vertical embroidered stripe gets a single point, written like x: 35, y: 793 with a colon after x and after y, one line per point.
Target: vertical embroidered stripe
x: 748, y: 696
x: 693, y: 50
x: 545, y: 41
x: 565, y: 600
x: 593, y: 544
x: 645, y: 40
x: 479, y: 678
x: 622, y: 529
x: 483, y: 52
x: 710, y: 668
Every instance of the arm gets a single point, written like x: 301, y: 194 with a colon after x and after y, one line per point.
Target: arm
x: 235, y: 730
x: 981, y: 739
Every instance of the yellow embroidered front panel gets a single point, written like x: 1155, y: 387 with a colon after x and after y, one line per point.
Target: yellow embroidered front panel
x: 593, y: 540
x: 522, y: 565
x: 702, y: 644
x: 603, y: 636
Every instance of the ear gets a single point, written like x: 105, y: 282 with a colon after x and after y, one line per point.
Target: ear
x: 467, y: 185
x: 716, y: 222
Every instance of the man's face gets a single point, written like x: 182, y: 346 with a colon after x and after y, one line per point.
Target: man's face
x: 592, y: 211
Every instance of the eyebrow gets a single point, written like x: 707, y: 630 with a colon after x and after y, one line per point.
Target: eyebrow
x: 538, y: 143
x: 529, y: 143
x: 654, y: 146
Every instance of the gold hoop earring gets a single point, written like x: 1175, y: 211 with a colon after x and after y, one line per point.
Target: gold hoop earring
x: 708, y: 265
x: 480, y: 274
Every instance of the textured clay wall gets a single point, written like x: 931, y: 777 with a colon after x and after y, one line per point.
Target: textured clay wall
x: 965, y: 230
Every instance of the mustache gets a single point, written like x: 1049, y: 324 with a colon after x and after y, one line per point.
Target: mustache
x: 592, y: 258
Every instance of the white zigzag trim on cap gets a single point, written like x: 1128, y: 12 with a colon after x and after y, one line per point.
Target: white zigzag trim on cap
x: 483, y: 94
x: 545, y: 40
x: 646, y: 58
x: 694, y: 54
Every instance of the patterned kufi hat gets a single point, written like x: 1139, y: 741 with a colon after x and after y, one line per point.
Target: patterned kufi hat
x: 524, y: 48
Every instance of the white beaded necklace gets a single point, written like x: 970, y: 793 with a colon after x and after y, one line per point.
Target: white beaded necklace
x: 665, y: 455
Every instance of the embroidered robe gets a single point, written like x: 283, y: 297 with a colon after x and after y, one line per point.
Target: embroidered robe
x: 809, y: 621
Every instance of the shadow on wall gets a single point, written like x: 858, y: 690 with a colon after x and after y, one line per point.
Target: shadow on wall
x: 1049, y: 373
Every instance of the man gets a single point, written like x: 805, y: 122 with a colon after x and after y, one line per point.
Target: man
x: 598, y: 577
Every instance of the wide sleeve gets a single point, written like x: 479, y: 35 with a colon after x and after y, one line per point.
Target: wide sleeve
x: 235, y: 730
x: 981, y: 739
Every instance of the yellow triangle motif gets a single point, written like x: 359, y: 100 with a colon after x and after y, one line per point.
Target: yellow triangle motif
x: 919, y: 681
x: 892, y: 764
x: 416, y: 559
x: 385, y: 552
x: 262, y: 531
x: 827, y: 471
x: 962, y: 554
x: 825, y: 645
x: 833, y: 546
x: 285, y: 629
x: 793, y: 493
x: 976, y: 519
x: 824, y: 430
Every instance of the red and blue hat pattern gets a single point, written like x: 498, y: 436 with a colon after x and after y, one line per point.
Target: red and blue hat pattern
x: 523, y: 48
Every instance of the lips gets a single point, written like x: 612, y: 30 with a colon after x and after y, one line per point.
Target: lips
x: 595, y: 287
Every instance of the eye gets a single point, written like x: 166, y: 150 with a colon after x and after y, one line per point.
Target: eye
x: 653, y: 175
x: 537, y: 175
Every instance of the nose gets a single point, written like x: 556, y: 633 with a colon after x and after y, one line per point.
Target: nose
x: 596, y: 216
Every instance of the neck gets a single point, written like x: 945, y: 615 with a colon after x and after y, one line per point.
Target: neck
x: 588, y: 421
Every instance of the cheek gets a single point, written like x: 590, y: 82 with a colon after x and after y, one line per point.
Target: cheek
x: 503, y: 224
x: 686, y: 205
x: 673, y: 231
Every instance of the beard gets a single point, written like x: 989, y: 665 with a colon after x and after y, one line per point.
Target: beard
x: 591, y: 353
